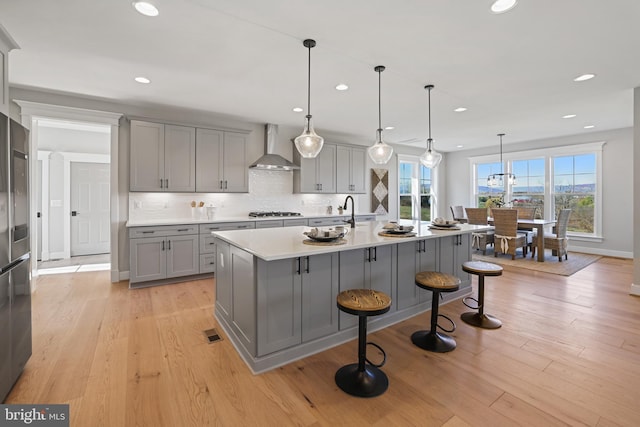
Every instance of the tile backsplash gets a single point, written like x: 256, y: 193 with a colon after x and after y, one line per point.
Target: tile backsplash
x: 268, y: 191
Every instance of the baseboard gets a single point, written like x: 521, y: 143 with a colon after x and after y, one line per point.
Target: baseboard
x: 599, y: 251
x: 635, y: 290
x: 56, y: 255
x: 122, y: 275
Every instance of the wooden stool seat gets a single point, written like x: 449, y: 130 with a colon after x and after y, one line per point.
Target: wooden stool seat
x: 443, y: 282
x: 367, y: 302
x: 480, y: 319
x: 433, y: 340
x: 363, y: 379
x: 481, y: 267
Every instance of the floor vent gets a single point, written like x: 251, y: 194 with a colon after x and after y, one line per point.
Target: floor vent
x: 212, y: 335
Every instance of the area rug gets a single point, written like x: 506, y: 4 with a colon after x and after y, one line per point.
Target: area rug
x: 576, y: 262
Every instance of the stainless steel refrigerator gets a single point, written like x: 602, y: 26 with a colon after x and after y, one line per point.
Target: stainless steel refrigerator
x: 15, y: 271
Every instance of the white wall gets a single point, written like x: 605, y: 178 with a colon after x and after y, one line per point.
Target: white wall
x: 617, y: 171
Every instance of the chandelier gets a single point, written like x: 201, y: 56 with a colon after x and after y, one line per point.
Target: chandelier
x: 497, y: 179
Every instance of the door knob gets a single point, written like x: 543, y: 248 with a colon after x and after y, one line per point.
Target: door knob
x: 74, y: 213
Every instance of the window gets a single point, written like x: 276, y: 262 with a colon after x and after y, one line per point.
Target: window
x: 528, y: 191
x: 415, y: 190
x: 574, y: 187
x: 550, y: 179
x: 487, y: 196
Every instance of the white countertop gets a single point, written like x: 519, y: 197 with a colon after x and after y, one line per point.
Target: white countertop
x: 146, y: 222
x: 282, y: 243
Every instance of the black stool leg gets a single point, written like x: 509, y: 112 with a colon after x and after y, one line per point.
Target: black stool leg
x: 433, y: 340
x: 479, y: 319
x: 360, y: 379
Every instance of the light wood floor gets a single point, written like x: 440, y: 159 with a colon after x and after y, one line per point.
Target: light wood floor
x: 568, y: 354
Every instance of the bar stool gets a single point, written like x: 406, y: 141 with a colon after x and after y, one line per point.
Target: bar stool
x: 479, y: 319
x: 360, y: 379
x: 432, y: 340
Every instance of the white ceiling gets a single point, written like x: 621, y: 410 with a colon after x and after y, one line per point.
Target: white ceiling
x: 514, y: 71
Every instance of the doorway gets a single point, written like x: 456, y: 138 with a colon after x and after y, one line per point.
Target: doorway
x: 89, y: 208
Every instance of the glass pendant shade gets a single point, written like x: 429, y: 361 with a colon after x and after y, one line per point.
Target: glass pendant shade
x: 309, y: 143
x: 380, y: 152
x: 431, y: 158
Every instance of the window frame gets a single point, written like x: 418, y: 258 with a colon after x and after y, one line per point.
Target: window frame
x: 549, y: 201
x: 405, y: 158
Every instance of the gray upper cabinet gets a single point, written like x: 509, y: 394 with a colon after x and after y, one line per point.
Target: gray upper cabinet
x: 162, y: 157
x: 350, y: 171
x: 221, y: 163
x: 317, y: 175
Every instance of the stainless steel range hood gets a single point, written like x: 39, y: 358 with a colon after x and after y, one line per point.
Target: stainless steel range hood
x: 271, y: 161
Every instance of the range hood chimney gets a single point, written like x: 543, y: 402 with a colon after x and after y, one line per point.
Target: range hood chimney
x: 271, y: 161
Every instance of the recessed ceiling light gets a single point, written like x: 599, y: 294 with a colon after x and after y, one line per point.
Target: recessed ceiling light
x: 390, y: 128
x: 459, y: 146
x: 142, y: 80
x: 342, y: 86
x: 298, y: 110
x: 589, y: 126
x: 569, y: 116
x: 584, y: 77
x: 460, y: 109
x: 146, y: 8
x: 501, y: 6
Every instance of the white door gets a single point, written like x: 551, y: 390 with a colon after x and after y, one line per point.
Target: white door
x: 89, y: 208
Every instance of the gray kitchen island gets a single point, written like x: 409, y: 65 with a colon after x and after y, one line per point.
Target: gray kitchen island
x: 276, y: 295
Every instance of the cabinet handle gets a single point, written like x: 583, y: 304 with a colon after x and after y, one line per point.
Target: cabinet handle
x: 243, y: 226
x: 169, y: 242
x: 211, y: 243
x: 161, y: 180
x: 375, y: 254
x: 166, y: 183
x: 298, y: 267
x: 320, y: 187
x: 182, y: 229
x: 148, y: 232
x: 225, y: 184
x: 307, y: 269
x: 163, y: 245
x: 221, y: 187
x: 368, y: 254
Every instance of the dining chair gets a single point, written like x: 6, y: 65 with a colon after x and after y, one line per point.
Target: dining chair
x: 557, y: 241
x: 458, y: 213
x: 480, y: 239
x: 527, y: 213
x: 507, y: 239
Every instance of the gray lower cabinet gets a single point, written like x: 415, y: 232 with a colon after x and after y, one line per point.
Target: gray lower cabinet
x: 158, y: 253
x: 296, y: 301
x: 454, y: 250
x: 369, y: 268
x: 414, y: 257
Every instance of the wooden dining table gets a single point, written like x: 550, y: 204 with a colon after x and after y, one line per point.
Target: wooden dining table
x: 535, y: 224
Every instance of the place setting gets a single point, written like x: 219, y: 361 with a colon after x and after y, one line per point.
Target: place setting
x: 326, y: 237
x: 392, y: 229
x: 444, y: 224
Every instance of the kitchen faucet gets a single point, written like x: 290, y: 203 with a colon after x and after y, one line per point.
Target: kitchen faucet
x: 352, y: 221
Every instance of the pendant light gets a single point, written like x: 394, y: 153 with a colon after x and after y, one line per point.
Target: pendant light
x: 497, y: 179
x: 431, y: 158
x: 309, y: 143
x: 380, y: 153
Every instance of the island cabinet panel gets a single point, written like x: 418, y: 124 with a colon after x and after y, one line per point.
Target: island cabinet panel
x: 224, y: 285
x: 296, y: 301
x: 454, y: 250
x: 243, y: 297
x: 414, y: 257
x: 368, y: 268
x: 319, y: 275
